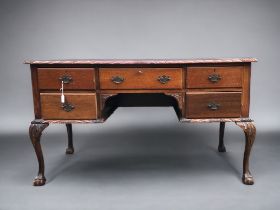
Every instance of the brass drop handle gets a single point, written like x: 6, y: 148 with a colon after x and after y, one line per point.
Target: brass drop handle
x: 117, y: 79
x: 214, y: 78
x: 66, y: 79
x: 67, y: 107
x: 164, y: 79
x: 213, y: 106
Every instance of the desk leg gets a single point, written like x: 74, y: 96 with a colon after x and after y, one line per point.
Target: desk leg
x: 35, y: 132
x: 250, y: 133
x: 221, y: 147
x: 70, y: 148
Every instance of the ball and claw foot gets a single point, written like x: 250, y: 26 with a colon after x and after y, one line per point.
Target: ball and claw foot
x: 69, y: 151
x: 222, y: 149
x: 248, y: 179
x: 39, y: 181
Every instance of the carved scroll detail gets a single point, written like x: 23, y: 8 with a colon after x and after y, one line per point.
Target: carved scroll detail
x: 179, y: 98
x: 250, y: 134
x: 35, y: 132
x: 104, y: 98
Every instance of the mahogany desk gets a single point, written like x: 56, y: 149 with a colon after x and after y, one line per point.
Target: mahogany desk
x: 88, y: 91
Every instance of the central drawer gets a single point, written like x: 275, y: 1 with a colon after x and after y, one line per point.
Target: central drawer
x: 141, y: 78
x: 78, y: 106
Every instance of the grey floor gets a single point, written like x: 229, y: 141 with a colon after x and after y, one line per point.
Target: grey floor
x: 140, y: 164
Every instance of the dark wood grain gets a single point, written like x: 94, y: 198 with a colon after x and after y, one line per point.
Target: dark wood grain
x: 35, y: 132
x: 215, y: 120
x: 184, y: 85
x: 245, y: 101
x: 197, y: 104
x: 230, y: 76
x: 141, y: 78
x: 82, y: 78
x: 250, y: 134
x: 142, y: 61
x: 84, y: 106
x: 36, y: 92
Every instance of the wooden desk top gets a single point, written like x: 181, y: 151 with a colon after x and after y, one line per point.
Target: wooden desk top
x: 142, y: 61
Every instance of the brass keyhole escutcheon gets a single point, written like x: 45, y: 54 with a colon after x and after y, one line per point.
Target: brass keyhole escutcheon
x: 67, y: 107
x: 213, y: 106
x: 164, y: 79
x: 66, y: 79
x: 117, y: 79
x: 214, y: 78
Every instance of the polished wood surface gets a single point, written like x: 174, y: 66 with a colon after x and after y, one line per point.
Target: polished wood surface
x: 249, y: 130
x: 81, y: 78
x: 143, y: 61
x: 200, y: 77
x: 35, y: 132
x: 84, y: 106
x: 200, y: 90
x: 141, y: 78
x: 246, y: 80
x: 225, y: 104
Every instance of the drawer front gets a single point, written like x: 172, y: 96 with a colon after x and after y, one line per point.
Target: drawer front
x: 140, y: 78
x: 79, y: 106
x: 213, y: 105
x: 74, y: 78
x: 213, y: 77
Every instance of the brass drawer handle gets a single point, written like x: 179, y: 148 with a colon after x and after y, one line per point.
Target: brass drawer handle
x: 214, y: 78
x: 164, y: 79
x: 67, y: 107
x: 66, y: 79
x: 213, y: 106
x: 117, y: 79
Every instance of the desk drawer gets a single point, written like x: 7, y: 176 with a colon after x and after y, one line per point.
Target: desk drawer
x: 213, y: 104
x: 79, y: 106
x: 74, y: 78
x: 213, y: 77
x: 140, y: 78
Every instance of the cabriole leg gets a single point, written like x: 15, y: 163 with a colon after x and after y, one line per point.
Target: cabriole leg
x: 70, y: 148
x: 35, y: 132
x: 250, y: 134
x: 221, y: 147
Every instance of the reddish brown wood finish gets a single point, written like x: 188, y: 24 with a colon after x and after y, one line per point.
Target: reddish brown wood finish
x: 250, y: 134
x: 230, y: 76
x: 141, y: 61
x: 95, y: 96
x: 84, y: 106
x: 35, y: 132
x: 36, y: 92
x: 198, y: 102
x: 82, y: 78
x: 140, y: 78
x: 246, y: 79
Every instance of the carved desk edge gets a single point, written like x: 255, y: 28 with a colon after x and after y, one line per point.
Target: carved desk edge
x: 183, y: 120
x: 143, y: 61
